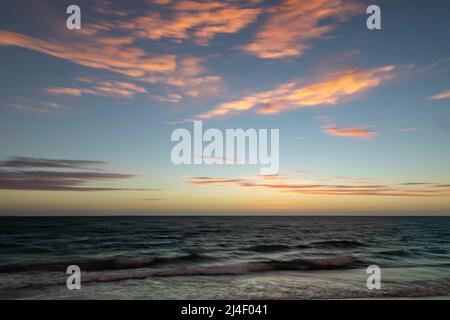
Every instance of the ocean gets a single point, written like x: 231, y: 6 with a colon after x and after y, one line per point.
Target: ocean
x: 233, y: 257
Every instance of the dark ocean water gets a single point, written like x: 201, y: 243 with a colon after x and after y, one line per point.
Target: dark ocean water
x: 224, y: 257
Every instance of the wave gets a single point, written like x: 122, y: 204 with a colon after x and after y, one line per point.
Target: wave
x: 336, y: 263
x: 341, y: 262
x: 268, y: 248
x: 116, y: 263
x: 238, y: 268
x: 338, y: 244
x: 336, y: 290
x: 326, y: 244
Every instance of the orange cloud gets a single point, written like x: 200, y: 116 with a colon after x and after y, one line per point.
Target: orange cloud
x: 27, y: 105
x: 201, y: 20
x: 331, y: 89
x: 190, y: 77
x: 293, y: 24
x: 440, y: 96
x: 101, y: 88
x: 188, y: 5
x: 96, y: 46
x: 360, y: 133
x: 113, y: 56
x: 323, y: 187
x: 161, y: 2
x: 172, y: 98
x: 77, y: 92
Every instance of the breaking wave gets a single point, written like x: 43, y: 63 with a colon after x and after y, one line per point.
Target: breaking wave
x: 116, y: 263
x: 121, y: 269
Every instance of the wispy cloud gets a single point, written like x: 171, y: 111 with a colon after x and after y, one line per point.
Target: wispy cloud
x: 171, y: 97
x: 20, y: 173
x: 416, y: 183
x: 336, y: 187
x: 360, y: 133
x: 113, y: 43
x: 207, y: 180
x: 111, y: 53
x: 42, y: 107
x: 101, y: 88
x: 191, y: 77
x: 27, y: 162
x: 441, y: 96
x: 96, y: 52
x: 432, y: 69
x: 293, y: 24
x: 192, y: 20
x: 329, y: 90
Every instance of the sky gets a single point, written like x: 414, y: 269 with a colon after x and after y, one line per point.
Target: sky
x: 86, y: 115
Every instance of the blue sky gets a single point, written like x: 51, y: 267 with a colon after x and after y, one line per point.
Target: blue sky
x: 366, y: 109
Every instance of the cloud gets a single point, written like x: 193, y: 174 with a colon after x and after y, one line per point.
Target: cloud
x: 441, y: 96
x: 94, y: 53
x: 20, y: 173
x: 161, y: 2
x: 172, y: 98
x: 416, y: 183
x: 188, y: 5
x: 432, y: 69
x: 329, y: 90
x: 192, y: 20
x: 101, y: 88
x: 27, y: 105
x: 360, y: 133
x: 190, y: 77
x: 103, y: 44
x: 335, y: 187
x: 207, y: 180
x: 26, y: 162
x: 293, y: 24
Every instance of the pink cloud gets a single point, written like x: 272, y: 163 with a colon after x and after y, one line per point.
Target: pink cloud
x: 293, y: 24
x: 192, y: 20
x: 329, y: 89
x: 441, y: 96
x: 101, y: 88
x: 116, y: 57
x: 360, y: 133
x: 332, y: 187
